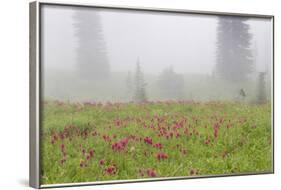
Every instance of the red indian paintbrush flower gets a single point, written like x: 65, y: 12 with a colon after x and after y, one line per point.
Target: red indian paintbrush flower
x: 106, y: 138
x: 151, y: 172
x: 161, y: 156
x: 91, y: 153
x: 158, y: 145
x: 124, y: 141
x: 101, y: 162
x: 120, y: 145
x: 216, y: 130
x: 62, y: 148
x: 110, y: 170
x: 148, y: 140
x: 176, y: 126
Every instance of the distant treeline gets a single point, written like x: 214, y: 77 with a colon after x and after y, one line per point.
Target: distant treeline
x: 167, y: 85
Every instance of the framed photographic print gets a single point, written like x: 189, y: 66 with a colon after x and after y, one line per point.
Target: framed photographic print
x: 132, y: 94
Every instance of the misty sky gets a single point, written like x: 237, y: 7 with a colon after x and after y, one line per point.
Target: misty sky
x: 186, y: 41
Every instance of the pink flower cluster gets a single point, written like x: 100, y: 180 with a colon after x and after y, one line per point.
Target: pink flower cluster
x: 90, y: 155
x: 148, y: 140
x: 158, y: 145
x: 151, y: 172
x: 120, y: 145
x: 161, y: 156
x: 62, y: 148
x: 106, y: 138
x: 111, y: 170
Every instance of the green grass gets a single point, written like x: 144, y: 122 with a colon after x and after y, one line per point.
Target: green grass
x: 243, y: 144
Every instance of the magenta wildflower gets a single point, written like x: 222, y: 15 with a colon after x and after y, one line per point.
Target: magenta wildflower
x: 161, y: 156
x: 120, y: 145
x: 148, y: 140
x: 101, y: 162
x: 111, y: 170
x: 158, y: 145
x: 151, y: 172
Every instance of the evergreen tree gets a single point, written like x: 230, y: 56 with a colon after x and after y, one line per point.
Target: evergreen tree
x: 91, y: 51
x: 261, y: 96
x: 171, y: 84
x: 140, y: 92
x: 234, y: 56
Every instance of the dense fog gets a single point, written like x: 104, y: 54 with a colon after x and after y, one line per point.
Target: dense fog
x: 94, y: 54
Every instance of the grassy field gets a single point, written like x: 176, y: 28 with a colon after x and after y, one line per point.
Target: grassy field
x: 96, y: 142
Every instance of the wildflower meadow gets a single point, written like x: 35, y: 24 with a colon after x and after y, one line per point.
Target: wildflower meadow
x: 83, y: 142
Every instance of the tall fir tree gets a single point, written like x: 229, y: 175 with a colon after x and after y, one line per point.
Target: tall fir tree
x: 92, y: 62
x: 140, y: 91
x: 234, y: 55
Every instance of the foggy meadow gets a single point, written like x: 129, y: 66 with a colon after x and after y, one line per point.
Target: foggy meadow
x: 101, y: 55
x: 130, y: 94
